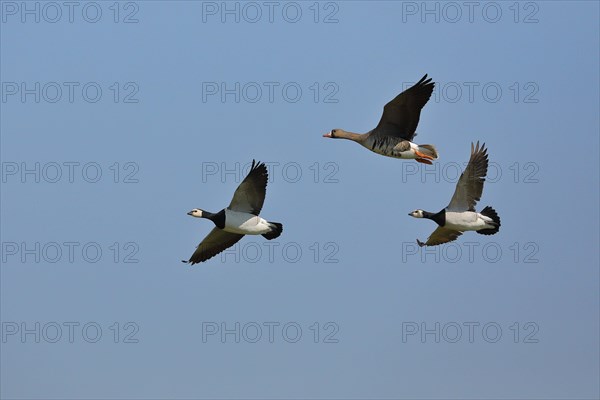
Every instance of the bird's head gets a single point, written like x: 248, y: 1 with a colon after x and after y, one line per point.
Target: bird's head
x: 332, y: 134
x: 416, y: 214
x: 196, y: 212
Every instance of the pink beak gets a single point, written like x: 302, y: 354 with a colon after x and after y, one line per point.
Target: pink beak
x: 328, y: 134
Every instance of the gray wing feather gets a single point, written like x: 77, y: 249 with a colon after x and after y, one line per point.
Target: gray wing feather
x: 439, y: 236
x: 401, y: 115
x: 250, y: 194
x: 470, y: 185
x: 214, y: 243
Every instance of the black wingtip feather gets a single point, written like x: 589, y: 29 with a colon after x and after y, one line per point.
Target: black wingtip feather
x: 256, y: 165
x: 424, y: 81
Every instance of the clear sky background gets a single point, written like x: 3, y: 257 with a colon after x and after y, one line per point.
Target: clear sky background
x: 515, y: 315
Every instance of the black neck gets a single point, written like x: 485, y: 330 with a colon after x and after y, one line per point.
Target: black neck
x: 218, y: 218
x: 439, y: 218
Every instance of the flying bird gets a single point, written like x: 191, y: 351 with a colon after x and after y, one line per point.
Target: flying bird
x: 239, y: 218
x: 460, y: 215
x: 393, y: 135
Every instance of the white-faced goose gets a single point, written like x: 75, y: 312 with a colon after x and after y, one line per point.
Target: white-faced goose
x: 393, y: 135
x: 460, y: 215
x: 239, y: 218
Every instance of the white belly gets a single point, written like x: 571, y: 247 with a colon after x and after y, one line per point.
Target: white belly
x: 245, y: 223
x: 466, y: 221
x: 408, y: 154
x: 389, y: 149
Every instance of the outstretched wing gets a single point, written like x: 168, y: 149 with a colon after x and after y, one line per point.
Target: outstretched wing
x: 401, y: 115
x: 250, y: 194
x: 470, y: 185
x: 214, y: 243
x: 439, y: 236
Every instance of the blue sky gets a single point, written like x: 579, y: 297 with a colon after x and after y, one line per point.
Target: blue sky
x: 117, y: 120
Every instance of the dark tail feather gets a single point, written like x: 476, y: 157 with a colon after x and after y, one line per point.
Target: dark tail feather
x: 276, y: 229
x: 428, y: 149
x: 490, y: 212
